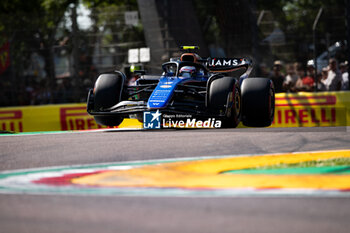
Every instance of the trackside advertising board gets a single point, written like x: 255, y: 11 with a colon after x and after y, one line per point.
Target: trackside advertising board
x: 312, y: 109
x: 292, y: 110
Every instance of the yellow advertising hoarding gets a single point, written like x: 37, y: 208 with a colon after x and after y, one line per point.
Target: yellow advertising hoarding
x: 292, y: 110
x: 312, y: 109
x: 46, y: 118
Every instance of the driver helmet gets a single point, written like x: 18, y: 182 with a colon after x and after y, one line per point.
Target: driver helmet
x: 201, y: 73
x: 187, y: 71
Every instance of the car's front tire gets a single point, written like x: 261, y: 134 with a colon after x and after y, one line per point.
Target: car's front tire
x: 107, y: 93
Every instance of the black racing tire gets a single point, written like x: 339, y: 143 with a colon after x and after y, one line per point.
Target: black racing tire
x: 107, y: 93
x: 258, y: 102
x: 224, y: 97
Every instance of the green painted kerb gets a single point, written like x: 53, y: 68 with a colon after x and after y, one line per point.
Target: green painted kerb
x: 336, y: 166
x: 337, y: 170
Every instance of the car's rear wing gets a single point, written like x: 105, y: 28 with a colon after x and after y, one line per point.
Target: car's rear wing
x: 228, y: 64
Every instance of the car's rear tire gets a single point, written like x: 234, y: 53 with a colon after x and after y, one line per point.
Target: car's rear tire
x: 107, y: 93
x: 258, y: 102
x: 224, y: 97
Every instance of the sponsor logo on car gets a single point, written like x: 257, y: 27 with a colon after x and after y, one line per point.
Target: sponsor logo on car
x: 223, y: 62
x: 165, y: 86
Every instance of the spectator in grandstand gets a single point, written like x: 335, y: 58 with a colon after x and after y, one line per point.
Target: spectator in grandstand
x: 277, y: 77
x: 64, y: 91
x: 324, y: 73
x: 345, y: 76
x: 291, y: 78
x: 262, y: 71
x: 321, y: 78
x: 306, y: 83
x: 334, y: 77
x: 300, y: 69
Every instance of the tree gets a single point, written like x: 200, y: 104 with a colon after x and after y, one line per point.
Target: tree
x: 296, y: 17
x: 31, y: 25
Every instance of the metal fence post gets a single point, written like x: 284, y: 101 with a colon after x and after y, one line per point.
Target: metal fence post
x: 314, y: 41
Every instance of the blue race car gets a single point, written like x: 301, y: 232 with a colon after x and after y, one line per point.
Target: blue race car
x: 189, y: 85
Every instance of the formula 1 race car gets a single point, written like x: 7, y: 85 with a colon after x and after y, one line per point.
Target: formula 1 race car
x: 189, y: 85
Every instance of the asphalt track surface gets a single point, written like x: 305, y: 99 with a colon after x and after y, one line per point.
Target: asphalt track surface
x: 68, y: 213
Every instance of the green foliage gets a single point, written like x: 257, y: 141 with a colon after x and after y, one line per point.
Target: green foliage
x: 34, y: 14
x: 296, y: 18
x: 299, y: 15
x: 313, y: 163
x: 333, y: 166
x: 107, y: 3
x: 110, y: 19
x: 29, y: 26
